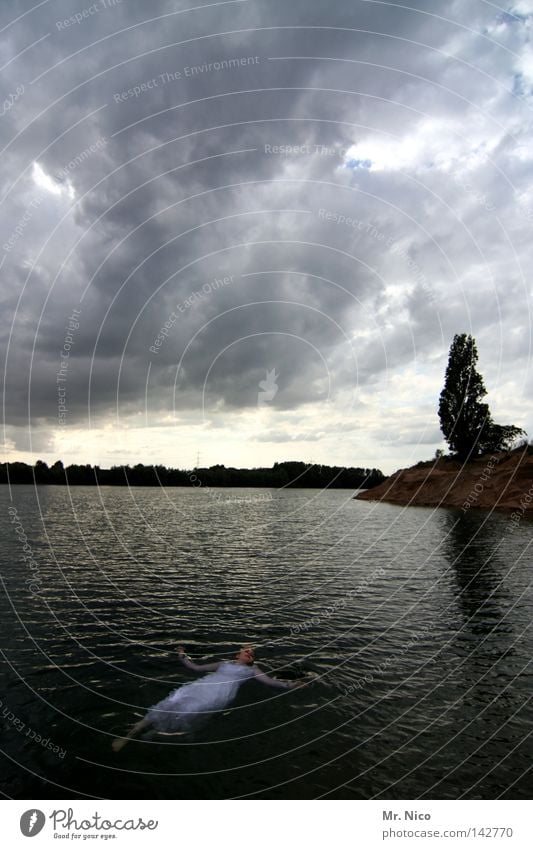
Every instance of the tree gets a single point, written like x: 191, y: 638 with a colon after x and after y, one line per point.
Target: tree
x: 41, y: 472
x: 464, y: 419
x: 57, y: 472
x: 499, y: 437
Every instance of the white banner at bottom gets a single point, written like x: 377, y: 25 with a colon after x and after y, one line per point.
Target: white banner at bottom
x: 264, y: 824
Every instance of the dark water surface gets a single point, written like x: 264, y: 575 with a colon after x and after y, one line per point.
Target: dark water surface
x: 415, y: 624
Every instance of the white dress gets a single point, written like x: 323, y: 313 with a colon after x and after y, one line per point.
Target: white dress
x: 192, y: 701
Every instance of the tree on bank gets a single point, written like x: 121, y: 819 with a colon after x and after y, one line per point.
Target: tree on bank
x: 465, y: 420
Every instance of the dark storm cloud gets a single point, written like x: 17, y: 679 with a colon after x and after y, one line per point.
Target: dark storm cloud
x: 189, y: 183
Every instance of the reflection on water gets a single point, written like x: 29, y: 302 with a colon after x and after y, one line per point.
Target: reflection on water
x: 473, y: 545
x: 414, y: 623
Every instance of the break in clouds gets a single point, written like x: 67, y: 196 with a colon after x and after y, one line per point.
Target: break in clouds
x: 252, y: 228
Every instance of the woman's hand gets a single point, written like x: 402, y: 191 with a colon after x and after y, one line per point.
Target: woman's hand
x: 181, y: 652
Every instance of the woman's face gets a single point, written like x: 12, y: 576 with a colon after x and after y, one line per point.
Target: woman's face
x: 245, y: 656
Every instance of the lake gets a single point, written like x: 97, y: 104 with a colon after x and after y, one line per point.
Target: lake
x: 413, y: 625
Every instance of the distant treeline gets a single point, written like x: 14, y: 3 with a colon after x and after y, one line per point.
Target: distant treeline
x: 292, y: 474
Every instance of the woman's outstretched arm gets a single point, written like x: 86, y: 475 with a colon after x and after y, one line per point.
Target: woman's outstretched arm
x: 196, y: 667
x: 263, y: 678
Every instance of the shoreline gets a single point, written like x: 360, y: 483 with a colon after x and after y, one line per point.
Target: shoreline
x: 502, y: 480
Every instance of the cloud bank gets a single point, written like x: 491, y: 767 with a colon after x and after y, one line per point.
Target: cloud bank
x: 199, y: 201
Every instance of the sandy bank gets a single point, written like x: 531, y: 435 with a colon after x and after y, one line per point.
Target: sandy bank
x: 502, y: 480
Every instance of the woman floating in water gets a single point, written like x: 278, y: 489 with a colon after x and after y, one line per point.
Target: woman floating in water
x: 213, y: 692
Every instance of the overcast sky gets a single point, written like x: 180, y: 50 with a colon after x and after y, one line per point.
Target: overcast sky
x: 250, y: 229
